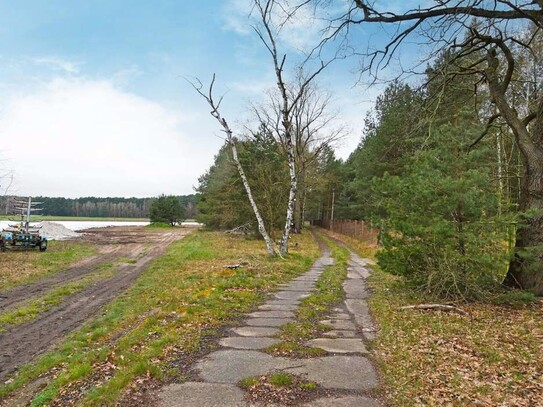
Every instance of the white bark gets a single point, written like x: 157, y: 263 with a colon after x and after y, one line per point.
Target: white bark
x: 267, y: 34
x: 230, y: 139
x: 261, y: 226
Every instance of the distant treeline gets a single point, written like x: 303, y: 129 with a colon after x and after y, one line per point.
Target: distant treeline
x: 101, y: 207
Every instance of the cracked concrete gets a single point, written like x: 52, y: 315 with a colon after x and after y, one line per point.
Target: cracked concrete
x: 344, y: 368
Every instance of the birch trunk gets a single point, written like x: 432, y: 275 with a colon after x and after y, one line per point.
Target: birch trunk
x: 231, y: 140
x: 260, y: 221
x: 291, y: 196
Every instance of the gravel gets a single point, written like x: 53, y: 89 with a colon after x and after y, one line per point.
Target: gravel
x: 56, y: 231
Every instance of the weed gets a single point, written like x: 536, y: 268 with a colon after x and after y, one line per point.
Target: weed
x: 280, y: 379
x: 294, y: 350
x: 249, y: 382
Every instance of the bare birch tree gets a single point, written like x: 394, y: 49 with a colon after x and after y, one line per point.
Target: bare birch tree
x: 313, y: 131
x: 231, y: 140
x: 268, y: 30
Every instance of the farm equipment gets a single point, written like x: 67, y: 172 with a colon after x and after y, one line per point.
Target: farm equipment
x: 23, y: 235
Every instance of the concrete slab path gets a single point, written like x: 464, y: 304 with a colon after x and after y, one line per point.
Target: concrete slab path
x: 345, y: 371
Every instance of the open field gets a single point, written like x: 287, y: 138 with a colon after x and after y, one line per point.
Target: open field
x: 159, y: 310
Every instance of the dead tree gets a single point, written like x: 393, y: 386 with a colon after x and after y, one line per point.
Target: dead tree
x: 268, y: 31
x: 491, y: 28
x: 231, y: 140
x: 313, y: 131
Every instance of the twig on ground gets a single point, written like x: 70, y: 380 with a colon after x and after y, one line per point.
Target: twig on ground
x: 439, y: 307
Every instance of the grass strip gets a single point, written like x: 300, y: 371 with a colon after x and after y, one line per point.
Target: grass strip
x: 32, y: 308
x: 163, y: 316
x: 25, y: 267
x: 329, y: 291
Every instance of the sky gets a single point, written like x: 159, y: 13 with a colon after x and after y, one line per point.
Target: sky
x: 94, y: 98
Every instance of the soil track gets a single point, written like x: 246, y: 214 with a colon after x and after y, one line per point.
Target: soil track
x: 22, y: 343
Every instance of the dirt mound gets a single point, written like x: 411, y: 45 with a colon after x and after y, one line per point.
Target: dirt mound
x: 56, y: 231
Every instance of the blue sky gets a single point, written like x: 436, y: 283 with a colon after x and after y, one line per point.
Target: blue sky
x: 93, y: 100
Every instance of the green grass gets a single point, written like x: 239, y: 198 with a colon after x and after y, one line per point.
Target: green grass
x: 24, y: 267
x: 249, y: 382
x: 295, y: 350
x: 329, y: 291
x: 280, y: 379
x: 158, y: 225
x: 167, y: 312
x: 31, y: 309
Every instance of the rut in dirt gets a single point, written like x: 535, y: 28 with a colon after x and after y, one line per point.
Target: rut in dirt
x: 22, y: 343
x: 16, y: 295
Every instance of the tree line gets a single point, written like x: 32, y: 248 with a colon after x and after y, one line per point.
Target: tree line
x: 100, y: 207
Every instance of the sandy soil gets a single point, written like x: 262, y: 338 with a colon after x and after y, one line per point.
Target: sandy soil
x: 22, y: 343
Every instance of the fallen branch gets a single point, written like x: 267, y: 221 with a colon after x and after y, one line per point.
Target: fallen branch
x: 245, y: 229
x: 439, y: 307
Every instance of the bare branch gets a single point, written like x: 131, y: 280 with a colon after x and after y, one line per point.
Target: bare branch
x: 488, y: 126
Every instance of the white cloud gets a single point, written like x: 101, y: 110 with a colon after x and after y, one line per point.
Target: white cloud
x: 58, y: 64
x: 301, y: 32
x: 77, y: 137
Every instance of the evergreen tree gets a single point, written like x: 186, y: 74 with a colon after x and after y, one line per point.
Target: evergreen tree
x: 167, y: 209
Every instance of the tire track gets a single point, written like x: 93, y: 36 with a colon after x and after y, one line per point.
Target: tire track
x: 24, y: 342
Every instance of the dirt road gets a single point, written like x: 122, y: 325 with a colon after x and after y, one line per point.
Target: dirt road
x: 128, y: 249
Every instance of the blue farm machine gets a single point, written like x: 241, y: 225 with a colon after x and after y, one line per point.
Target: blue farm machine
x: 22, y: 235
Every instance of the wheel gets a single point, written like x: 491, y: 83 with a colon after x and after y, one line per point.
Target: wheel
x: 43, y: 246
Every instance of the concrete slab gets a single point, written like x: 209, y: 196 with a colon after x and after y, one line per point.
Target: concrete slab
x: 248, y: 342
x: 338, y: 372
x: 267, y: 321
x: 354, y: 275
x: 282, y: 302
x: 340, y: 334
x: 230, y: 366
x: 278, y: 307
x: 290, y: 295
x: 201, y: 394
x: 338, y: 345
x: 355, y: 289
x: 307, y: 278
x: 359, y: 308
x: 361, y: 260
x: 346, y: 401
x: 299, y: 286
x: 271, y: 314
x: 340, y: 315
x: 255, y: 331
x: 339, y: 324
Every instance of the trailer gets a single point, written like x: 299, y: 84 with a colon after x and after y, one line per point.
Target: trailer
x: 23, y: 235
